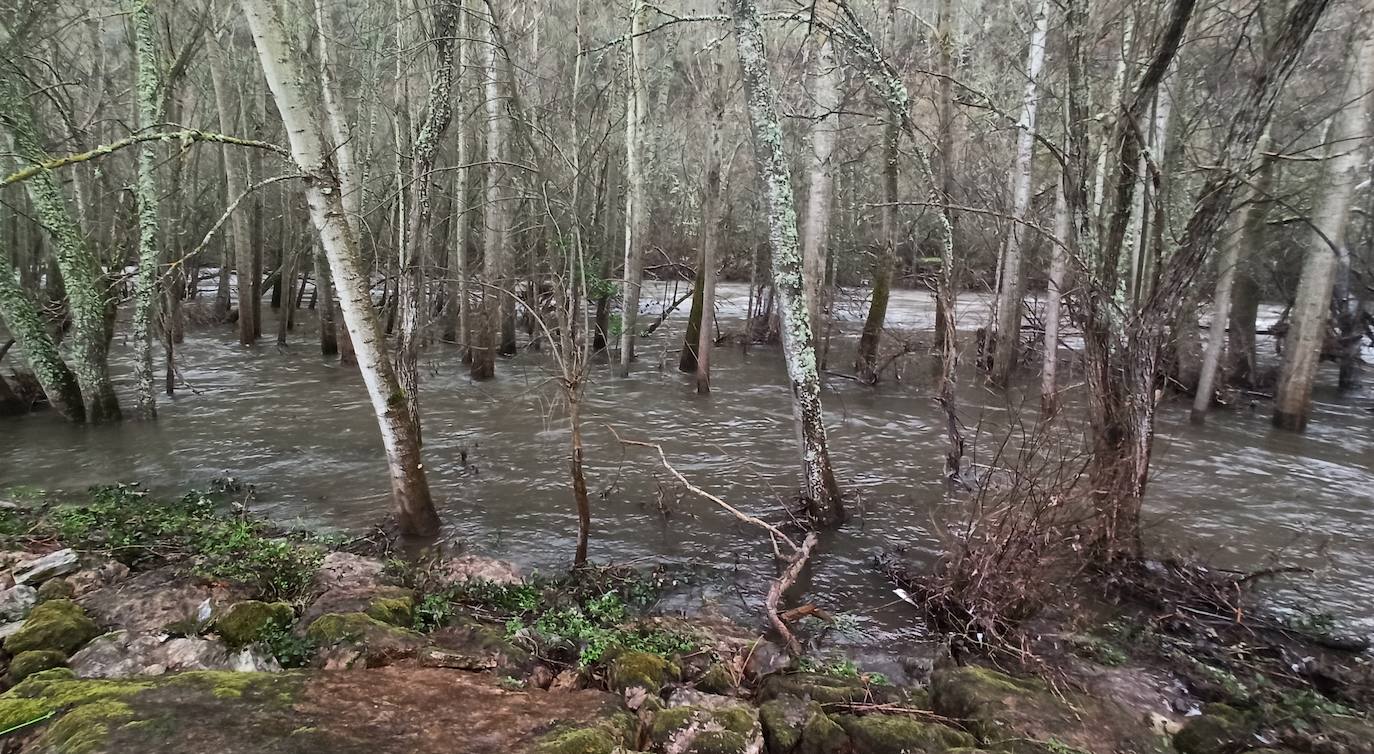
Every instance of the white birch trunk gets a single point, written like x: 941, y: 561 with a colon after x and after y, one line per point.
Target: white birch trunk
x: 1006, y: 332
x: 825, y: 95
x: 635, y: 195
x: 1054, y: 296
x: 410, y: 492
x: 146, y: 289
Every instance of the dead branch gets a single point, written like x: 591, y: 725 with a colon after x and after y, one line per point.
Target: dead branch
x: 782, y: 584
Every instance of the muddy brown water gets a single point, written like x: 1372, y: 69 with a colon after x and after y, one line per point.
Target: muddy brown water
x: 297, y: 427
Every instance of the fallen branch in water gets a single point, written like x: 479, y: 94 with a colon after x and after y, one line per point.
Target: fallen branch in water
x: 782, y: 584
x: 795, y: 561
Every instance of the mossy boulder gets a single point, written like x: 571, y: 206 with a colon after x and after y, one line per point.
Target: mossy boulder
x: 33, y: 661
x: 1220, y: 729
x: 397, y: 610
x: 486, y: 644
x: 244, y: 622
x: 56, y: 589
x: 727, y: 729
x: 782, y: 719
x: 826, y: 689
x: 360, y: 628
x: 716, y: 679
x: 60, y: 625
x: 609, y: 736
x: 640, y: 669
x: 822, y: 735
x: 893, y: 734
x: 1024, y: 716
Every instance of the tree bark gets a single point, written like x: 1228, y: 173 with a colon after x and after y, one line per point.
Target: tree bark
x: 636, y: 197
x: 236, y: 184
x: 496, y: 261
x: 866, y: 361
x: 413, y: 506
x: 824, y: 78
x: 710, y: 221
x: 1005, y: 336
x: 24, y: 322
x: 1054, y: 296
x: 818, y: 477
x: 1311, y: 317
x: 149, y: 253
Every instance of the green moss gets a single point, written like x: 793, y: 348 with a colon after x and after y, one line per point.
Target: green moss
x: 398, y: 611
x: 579, y: 741
x: 718, y: 742
x: 650, y: 671
x: 84, y: 729
x: 56, y: 589
x: 725, y: 730
x: 823, y: 688
x: 822, y: 735
x: 782, y: 720
x: 716, y: 680
x: 33, y: 661
x: 246, y: 622
x: 1218, y: 730
x: 18, y: 712
x: 339, y: 628
x: 892, y: 734
x: 59, y: 625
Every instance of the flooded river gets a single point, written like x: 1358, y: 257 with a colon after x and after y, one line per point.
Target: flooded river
x: 298, y: 428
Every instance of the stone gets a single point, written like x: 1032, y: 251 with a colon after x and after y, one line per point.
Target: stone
x: 59, y: 563
x: 378, y: 600
x: 59, y: 624
x: 16, y: 602
x: 488, y: 641
x: 33, y: 661
x: 463, y: 568
x: 56, y: 589
x: 1218, y: 730
x: 894, y: 734
x: 730, y: 728
x: 381, y: 640
x: 782, y: 719
x: 10, y: 629
x: 152, y: 601
x: 103, y: 574
x: 717, y: 679
x: 123, y: 654
x: 347, y: 570
x: 244, y: 622
x: 398, y: 610
x: 822, y: 735
x: 825, y: 689
x: 649, y: 671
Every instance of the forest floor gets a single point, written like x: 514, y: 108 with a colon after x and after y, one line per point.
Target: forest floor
x: 136, y: 624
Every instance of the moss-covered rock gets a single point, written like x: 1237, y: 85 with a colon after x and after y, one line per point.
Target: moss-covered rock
x: 631, y: 669
x: 56, y: 589
x: 359, y: 628
x: 728, y: 729
x: 822, y: 735
x: 398, y: 610
x: 826, y: 689
x: 716, y: 679
x: 607, y: 736
x: 782, y: 719
x: 33, y: 661
x: 1220, y: 729
x: 244, y: 622
x: 59, y: 625
x: 893, y: 734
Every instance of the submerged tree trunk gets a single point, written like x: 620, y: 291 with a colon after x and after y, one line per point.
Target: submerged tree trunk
x: 496, y: 262
x: 456, y: 309
x: 413, y: 506
x: 635, y: 194
x: 439, y: 109
x: 24, y: 322
x: 1234, y: 250
x: 824, y: 78
x: 866, y: 362
x: 710, y: 221
x: 1302, y: 348
x: 1054, y: 296
x: 146, y: 289
x: 1005, y: 335
x: 235, y: 184
x: 819, y: 486
x: 88, y: 292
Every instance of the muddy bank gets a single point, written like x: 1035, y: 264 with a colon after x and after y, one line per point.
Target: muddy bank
x: 133, y: 623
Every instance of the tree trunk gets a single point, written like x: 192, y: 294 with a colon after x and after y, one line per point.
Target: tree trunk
x: 88, y: 292
x: 1054, y: 296
x: 821, y: 491
x: 235, y: 185
x: 866, y: 362
x: 1245, y: 294
x: 496, y: 261
x: 710, y: 231
x: 1233, y: 252
x: 1302, y: 348
x: 824, y: 78
x: 1005, y: 336
x: 945, y: 325
x: 146, y: 289
x: 635, y: 194
x: 456, y: 310
x: 24, y: 322
x: 439, y: 109
x: 413, y: 506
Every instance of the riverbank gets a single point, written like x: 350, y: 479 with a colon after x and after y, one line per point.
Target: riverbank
x: 142, y: 624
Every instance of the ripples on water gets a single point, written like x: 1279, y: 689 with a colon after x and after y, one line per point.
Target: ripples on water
x: 298, y: 427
